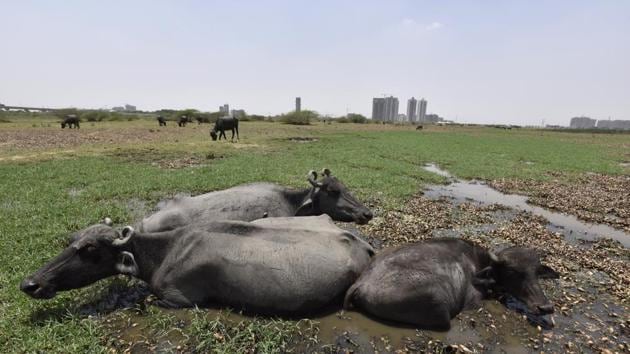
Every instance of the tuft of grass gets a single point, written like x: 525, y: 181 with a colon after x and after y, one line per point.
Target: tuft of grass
x: 261, y: 335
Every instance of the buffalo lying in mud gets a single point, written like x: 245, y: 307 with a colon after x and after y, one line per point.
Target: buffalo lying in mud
x: 223, y: 124
x: 428, y: 283
x: 274, y: 265
x: 253, y: 201
x: 70, y: 121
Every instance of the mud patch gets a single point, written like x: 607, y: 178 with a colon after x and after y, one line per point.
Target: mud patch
x: 178, y: 163
x: 302, y: 139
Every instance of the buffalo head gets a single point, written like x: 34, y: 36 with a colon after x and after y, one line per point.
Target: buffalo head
x: 96, y: 253
x: 213, y: 134
x: 515, y: 271
x: 330, y: 196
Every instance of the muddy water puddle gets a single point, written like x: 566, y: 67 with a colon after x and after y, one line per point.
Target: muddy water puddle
x: 341, y: 331
x: 570, y: 226
x: 355, y: 331
x: 493, y: 328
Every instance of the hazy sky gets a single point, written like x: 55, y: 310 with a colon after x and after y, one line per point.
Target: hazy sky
x: 477, y: 61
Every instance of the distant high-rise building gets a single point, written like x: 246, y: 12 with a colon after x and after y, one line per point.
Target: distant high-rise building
x: 391, y: 108
x: 422, y: 110
x: 225, y: 109
x: 613, y: 124
x: 582, y: 123
x: 378, y: 108
x: 385, y: 109
x: 130, y: 108
x: 412, y: 105
x: 298, y: 104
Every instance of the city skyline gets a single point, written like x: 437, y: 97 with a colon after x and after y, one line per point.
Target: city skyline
x: 490, y: 62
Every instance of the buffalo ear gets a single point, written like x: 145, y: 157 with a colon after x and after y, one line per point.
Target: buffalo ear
x: 127, y: 264
x: 306, y: 208
x: 546, y: 272
x: 127, y: 231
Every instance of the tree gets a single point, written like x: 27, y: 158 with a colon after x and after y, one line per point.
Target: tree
x: 299, y: 118
x: 356, y: 118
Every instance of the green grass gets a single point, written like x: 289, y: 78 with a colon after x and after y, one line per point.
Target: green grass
x: 379, y: 164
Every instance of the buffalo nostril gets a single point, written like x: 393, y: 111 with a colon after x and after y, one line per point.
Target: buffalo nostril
x: 545, y: 309
x: 29, y: 286
x: 368, y: 215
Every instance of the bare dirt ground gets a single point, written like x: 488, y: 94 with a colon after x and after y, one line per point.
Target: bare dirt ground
x: 592, y: 197
x: 50, y: 138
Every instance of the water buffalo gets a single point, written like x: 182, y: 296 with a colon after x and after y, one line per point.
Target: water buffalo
x: 183, y: 120
x: 161, y: 121
x: 277, y: 266
x: 223, y: 124
x: 251, y: 201
x: 70, y: 120
x: 428, y: 283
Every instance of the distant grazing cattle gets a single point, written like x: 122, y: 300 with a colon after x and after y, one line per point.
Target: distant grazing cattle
x: 419, y: 127
x: 202, y: 119
x: 162, y: 121
x: 223, y: 124
x: 183, y: 120
x: 272, y: 266
x: 71, y: 121
x: 428, y: 283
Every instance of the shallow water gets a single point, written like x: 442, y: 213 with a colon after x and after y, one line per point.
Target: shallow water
x: 570, y: 226
x: 354, y: 331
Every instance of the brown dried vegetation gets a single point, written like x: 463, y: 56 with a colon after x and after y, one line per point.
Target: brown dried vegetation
x: 592, y: 197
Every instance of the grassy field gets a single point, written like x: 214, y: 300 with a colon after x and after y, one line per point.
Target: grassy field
x: 55, y: 182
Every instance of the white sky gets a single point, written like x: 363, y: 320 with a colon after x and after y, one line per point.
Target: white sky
x: 513, y: 62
